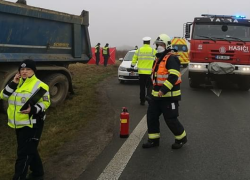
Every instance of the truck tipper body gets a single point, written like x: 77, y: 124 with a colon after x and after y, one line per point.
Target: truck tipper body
x: 53, y: 39
x: 219, y: 49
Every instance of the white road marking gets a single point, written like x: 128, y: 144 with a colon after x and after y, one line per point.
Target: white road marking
x: 216, y: 90
x: 116, y: 166
x: 183, y: 71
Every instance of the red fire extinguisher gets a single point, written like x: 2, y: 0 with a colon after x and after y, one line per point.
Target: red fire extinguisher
x: 124, y: 127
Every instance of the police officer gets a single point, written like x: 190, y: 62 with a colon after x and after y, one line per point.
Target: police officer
x: 27, y: 123
x: 166, y: 93
x: 105, y: 53
x: 144, y: 57
x: 97, y: 53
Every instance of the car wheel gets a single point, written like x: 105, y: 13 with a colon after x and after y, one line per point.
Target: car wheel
x: 121, y: 81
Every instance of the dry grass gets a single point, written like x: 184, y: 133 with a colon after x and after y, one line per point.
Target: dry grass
x: 62, y: 122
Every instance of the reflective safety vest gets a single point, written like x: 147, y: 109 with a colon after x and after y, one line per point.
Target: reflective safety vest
x: 144, y: 57
x: 17, y: 99
x: 96, y: 47
x: 105, y: 50
x: 160, y: 78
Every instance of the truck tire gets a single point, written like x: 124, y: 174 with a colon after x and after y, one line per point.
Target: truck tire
x: 193, y: 83
x: 194, y: 79
x: 244, y: 84
x: 58, y: 88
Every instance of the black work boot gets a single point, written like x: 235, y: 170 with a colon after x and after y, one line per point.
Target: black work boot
x: 151, y: 143
x: 179, y: 143
x: 32, y: 177
x: 142, y: 103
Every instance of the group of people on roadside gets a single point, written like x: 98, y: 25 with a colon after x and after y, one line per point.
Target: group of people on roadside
x: 105, y: 53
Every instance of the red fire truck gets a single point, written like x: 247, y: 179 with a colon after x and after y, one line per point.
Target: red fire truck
x: 219, y: 50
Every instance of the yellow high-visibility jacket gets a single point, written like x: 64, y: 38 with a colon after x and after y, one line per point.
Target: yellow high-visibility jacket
x: 17, y: 95
x: 144, y: 57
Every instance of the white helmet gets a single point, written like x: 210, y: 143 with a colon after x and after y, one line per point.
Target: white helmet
x: 146, y: 38
x: 164, y: 38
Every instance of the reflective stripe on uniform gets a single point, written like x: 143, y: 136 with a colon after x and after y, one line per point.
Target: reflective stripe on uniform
x: 162, y: 76
x: 23, y: 122
x: 21, y: 95
x: 15, y: 103
x: 173, y: 71
x: 181, y: 136
x: 168, y: 84
x: 5, y: 96
x: 154, y: 136
x: 8, y: 89
x: 35, y: 87
x: 42, y: 106
x: 144, y: 69
x: 168, y: 94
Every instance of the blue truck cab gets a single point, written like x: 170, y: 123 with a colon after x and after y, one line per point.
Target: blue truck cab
x: 53, y: 39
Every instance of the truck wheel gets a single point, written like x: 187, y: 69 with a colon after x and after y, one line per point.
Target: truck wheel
x: 244, y: 84
x: 58, y: 88
x: 193, y: 83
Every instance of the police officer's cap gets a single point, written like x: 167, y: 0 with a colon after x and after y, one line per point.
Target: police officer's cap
x: 146, y: 38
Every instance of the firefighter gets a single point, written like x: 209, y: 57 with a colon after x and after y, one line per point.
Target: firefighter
x: 27, y: 123
x: 166, y: 93
x: 144, y: 57
x: 105, y: 53
x: 97, y: 53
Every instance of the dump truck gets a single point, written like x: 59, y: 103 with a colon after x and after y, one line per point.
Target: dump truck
x: 219, y: 49
x: 53, y: 39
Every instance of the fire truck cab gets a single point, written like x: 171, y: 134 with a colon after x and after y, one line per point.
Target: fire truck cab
x: 219, y: 49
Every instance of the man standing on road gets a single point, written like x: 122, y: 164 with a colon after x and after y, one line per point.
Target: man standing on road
x: 105, y: 53
x: 97, y: 53
x: 166, y: 93
x: 28, y: 123
x: 144, y: 57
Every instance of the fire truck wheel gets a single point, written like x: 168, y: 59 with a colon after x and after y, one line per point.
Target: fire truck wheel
x: 193, y: 83
x: 244, y: 84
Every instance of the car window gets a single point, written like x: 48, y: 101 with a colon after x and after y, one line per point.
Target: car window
x: 129, y: 56
x: 181, y: 48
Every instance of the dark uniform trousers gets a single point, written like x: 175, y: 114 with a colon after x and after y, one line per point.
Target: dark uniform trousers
x: 106, y: 58
x: 170, y: 112
x: 145, y: 83
x: 27, y: 153
x: 97, y: 58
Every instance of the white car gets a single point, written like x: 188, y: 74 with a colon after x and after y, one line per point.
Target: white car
x: 124, y: 70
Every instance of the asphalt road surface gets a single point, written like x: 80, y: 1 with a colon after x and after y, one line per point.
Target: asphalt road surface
x: 217, y: 124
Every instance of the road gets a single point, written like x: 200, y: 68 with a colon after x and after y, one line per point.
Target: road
x: 217, y: 125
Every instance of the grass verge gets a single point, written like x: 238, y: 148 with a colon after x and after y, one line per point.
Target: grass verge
x: 63, y: 122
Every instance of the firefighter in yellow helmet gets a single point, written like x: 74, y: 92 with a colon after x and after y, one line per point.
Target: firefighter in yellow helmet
x: 144, y: 57
x: 166, y: 94
x: 28, y: 123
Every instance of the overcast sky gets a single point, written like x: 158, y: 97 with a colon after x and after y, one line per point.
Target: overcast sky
x: 125, y: 22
